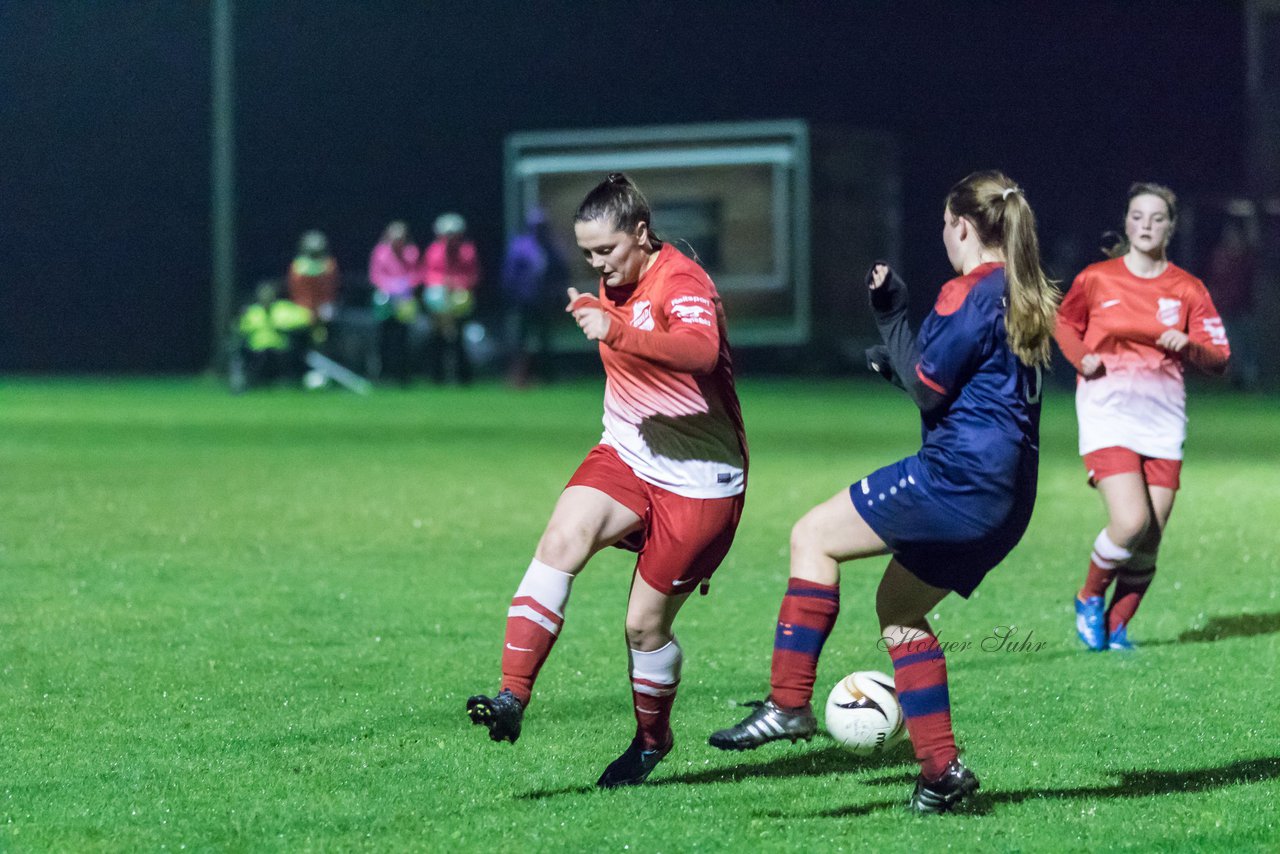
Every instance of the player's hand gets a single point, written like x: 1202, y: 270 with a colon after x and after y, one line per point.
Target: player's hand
x: 887, y: 291
x: 877, y: 275
x: 1173, y: 340
x: 587, y: 312
x: 1091, y: 366
x: 878, y: 361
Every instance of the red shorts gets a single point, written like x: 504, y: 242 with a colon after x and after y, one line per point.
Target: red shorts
x: 683, y: 539
x: 1105, y: 462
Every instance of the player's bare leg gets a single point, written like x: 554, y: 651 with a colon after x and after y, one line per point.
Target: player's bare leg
x: 655, y: 662
x: 827, y: 536
x: 1135, y: 577
x: 584, y: 521
x: 824, y: 537
x: 920, y: 676
x: 1128, y: 503
x: 1128, y: 519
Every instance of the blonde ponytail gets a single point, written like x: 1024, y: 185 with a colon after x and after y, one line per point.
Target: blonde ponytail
x: 999, y: 210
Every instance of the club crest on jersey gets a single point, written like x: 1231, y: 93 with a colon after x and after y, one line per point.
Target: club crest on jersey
x: 1168, y: 310
x: 642, y: 315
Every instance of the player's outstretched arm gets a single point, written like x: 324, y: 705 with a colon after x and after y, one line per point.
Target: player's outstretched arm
x: 888, y: 295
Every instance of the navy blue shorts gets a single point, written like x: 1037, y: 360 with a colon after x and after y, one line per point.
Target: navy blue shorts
x: 934, y: 534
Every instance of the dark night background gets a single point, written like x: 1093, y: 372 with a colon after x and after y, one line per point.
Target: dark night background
x: 350, y: 114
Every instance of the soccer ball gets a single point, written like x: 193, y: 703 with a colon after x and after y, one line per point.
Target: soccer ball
x: 863, y: 713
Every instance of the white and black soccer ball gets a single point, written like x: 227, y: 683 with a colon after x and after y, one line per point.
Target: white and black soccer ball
x: 863, y: 714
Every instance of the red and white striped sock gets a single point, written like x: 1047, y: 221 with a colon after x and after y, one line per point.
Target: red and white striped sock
x: 655, y: 676
x: 1131, y: 586
x: 533, y: 624
x: 1104, y: 562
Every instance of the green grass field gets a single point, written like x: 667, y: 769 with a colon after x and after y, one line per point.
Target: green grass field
x: 251, y: 624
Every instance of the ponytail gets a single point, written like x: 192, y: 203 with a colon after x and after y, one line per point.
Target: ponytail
x: 999, y: 211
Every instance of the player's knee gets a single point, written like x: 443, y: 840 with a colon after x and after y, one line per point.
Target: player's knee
x: 563, y: 547
x: 805, y: 536
x: 646, y: 632
x: 1128, y: 529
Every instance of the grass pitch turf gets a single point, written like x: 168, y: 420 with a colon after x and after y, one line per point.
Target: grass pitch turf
x: 252, y: 623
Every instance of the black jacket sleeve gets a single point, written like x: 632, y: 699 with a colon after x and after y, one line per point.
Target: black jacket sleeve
x: 889, y: 306
x: 878, y: 362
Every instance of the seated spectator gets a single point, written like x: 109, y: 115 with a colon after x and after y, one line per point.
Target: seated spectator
x: 274, y: 335
x: 450, y: 272
x: 394, y: 272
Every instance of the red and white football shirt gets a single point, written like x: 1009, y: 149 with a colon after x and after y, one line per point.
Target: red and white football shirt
x: 1140, y: 401
x: 670, y: 407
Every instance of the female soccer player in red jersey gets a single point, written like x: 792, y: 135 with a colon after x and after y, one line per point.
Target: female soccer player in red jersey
x: 667, y: 479
x: 1128, y: 325
x: 950, y: 513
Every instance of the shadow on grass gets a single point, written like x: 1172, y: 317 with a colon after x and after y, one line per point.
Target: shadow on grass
x: 1221, y: 628
x: 1132, y: 784
x: 1233, y: 626
x: 811, y: 763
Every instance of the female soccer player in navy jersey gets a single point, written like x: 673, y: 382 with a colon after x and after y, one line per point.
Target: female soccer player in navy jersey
x: 1129, y: 325
x: 950, y: 513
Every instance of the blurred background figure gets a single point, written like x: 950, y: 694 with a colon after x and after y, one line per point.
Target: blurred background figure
x: 273, y: 339
x: 1232, y: 266
x: 534, y: 277
x: 313, y: 276
x: 394, y: 274
x: 450, y: 272
x: 313, y: 284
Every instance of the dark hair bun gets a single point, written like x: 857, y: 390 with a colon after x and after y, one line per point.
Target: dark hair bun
x: 617, y: 178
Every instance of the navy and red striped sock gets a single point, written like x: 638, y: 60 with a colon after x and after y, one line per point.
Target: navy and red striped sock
x: 807, y: 615
x: 920, y: 676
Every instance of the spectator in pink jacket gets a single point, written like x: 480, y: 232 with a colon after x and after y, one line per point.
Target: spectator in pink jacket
x: 394, y: 272
x: 450, y: 271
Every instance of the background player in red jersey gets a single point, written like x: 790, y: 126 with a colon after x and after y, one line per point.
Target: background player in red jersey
x: 1128, y: 325
x: 949, y: 514
x: 667, y: 479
